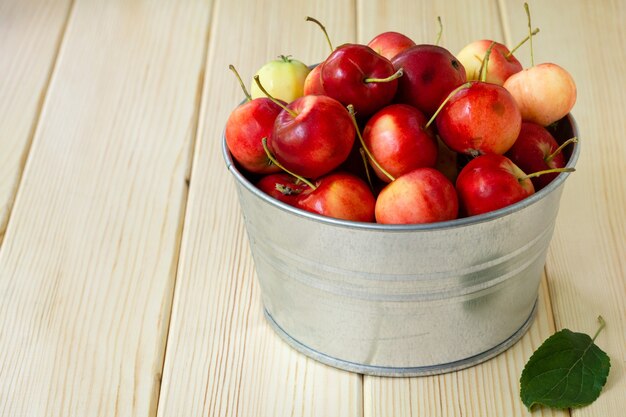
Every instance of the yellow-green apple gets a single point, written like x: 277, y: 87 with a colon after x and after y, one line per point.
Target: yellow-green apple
x: 283, y: 79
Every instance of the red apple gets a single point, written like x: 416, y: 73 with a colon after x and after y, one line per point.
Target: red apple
x: 423, y: 195
x: 282, y: 187
x: 491, y: 182
x: 482, y: 118
x: 245, y: 127
x: 312, y: 136
x: 390, y: 44
x: 502, y: 64
x: 340, y: 195
x: 536, y: 150
x: 430, y: 74
x: 355, y: 74
x: 313, y: 82
x: 447, y: 161
x: 544, y: 93
x: 398, y: 140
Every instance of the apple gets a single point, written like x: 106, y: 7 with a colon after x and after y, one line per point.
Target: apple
x: 423, y: 195
x: 313, y: 82
x: 246, y: 126
x: 544, y: 93
x: 355, y: 163
x: 479, y: 119
x: 282, y: 187
x: 430, y: 74
x: 397, y: 138
x: 390, y: 44
x: 339, y: 195
x: 447, y: 161
x: 502, y: 64
x: 355, y: 74
x: 283, y: 79
x: 536, y: 150
x: 491, y: 182
x: 312, y: 136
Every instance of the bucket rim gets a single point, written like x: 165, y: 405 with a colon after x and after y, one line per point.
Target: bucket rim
x: 372, y: 226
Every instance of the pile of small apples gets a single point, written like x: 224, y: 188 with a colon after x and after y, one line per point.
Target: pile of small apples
x: 377, y: 132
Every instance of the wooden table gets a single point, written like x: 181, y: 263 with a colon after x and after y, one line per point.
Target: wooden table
x: 127, y: 286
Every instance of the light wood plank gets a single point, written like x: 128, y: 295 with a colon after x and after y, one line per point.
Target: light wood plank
x: 30, y: 35
x: 492, y: 388
x: 462, y: 21
x: 586, y: 264
x: 88, y: 263
x: 222, y: 357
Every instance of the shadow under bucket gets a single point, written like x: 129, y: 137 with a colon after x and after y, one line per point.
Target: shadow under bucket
x: 401, y: 300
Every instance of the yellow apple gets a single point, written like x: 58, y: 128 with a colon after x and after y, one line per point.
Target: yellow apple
x: 544, y: 93
x: 283, y: 79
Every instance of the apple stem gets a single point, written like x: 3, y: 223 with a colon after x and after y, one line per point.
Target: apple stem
x: 512, y: 51
x: 485, y: 64
x: 286, y: 190
x: 285, y: 58
x: 279, y: 165
x: 282, y: 106
x: 243, y: 87
x: 545, y: 171
x: 602, y: 326
x: 530, y: 35
x: 392, y: 77
x: 367, y: 151
x: 367, y: 169
x: 440, y: 31
x: 452, y: 93
x: 314, y: 20
x: 558, y: 150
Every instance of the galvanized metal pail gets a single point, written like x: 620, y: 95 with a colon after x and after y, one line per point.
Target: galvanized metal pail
x: 401, y: 300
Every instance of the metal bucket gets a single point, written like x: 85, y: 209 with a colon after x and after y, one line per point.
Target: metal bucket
x: 401, y: 300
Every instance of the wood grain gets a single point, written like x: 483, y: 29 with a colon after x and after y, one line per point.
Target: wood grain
x: 30, y: 36
x: 88, y: 262
x: 222, y: 357
x: 100, y: 106
x: 462, y: 21
x: 586, y: 265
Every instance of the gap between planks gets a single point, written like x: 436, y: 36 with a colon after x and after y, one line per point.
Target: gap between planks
x: 191, y: 159
x: 30, y: 138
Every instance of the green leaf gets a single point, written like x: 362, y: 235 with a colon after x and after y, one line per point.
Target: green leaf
x: 568, y: 370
